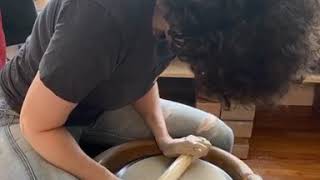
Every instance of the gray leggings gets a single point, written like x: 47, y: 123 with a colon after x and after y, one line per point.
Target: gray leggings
x: 18, y: 161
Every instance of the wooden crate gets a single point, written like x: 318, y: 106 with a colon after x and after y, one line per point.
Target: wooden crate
x: 210, y: 107
x: 299, y: 95
x: 241, y: 148
x: 241, y: 129
x: 238, y: 112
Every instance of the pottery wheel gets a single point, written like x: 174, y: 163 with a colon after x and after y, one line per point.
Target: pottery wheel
x: 153, y: 167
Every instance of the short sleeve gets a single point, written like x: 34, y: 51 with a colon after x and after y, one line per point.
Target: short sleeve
x: 79, y: 55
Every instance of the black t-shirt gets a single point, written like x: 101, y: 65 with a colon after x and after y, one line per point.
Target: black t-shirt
x: 98, y: 53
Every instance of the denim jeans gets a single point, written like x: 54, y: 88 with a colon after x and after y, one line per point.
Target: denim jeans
x: 18, y: 161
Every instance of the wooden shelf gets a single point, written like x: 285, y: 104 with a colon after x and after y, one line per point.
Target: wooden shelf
x: 178, y: 69
x: 312, y: 79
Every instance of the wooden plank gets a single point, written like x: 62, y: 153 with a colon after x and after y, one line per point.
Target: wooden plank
x: 241, y: 148
x: 313, y: 79
x: 241, y: 129
x: 238, y: 112
x: 210, y: 107
x: 299, y: 95
x: 178, y: 69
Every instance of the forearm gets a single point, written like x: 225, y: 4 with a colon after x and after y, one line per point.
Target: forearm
x: 149, y: 108
x: 157, y: 124
x: 59, y: 148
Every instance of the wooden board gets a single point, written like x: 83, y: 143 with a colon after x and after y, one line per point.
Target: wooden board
x: 299, y: 95
x: 178, y: 69
x: 238, y: 112
x: 241, y: 129
x: 241, y: 148
x: 210, y: 107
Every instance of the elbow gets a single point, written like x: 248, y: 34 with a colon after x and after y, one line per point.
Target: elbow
x: 26, y: 131
x: 23, y: 128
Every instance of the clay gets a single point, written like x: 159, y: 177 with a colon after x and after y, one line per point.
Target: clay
x: 153, y: 167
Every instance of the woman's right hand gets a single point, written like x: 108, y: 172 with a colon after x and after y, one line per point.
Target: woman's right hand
x: 194, y: 146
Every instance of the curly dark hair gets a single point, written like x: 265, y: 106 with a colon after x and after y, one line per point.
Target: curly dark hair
x: 245, y: 50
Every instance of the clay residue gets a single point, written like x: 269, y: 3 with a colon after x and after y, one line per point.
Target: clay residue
x: 207, y: 124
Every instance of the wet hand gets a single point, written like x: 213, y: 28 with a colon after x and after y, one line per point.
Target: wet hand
x: 194, y: 146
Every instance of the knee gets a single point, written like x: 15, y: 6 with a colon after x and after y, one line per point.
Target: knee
x: 225, y: 139
x: 217, y: 132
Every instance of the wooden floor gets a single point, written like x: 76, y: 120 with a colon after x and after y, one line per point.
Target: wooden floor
x: 286, y: 144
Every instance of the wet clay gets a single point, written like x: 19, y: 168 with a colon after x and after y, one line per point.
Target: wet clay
x: 153, y: 167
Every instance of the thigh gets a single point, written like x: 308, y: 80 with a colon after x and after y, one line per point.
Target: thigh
x: 116, y: 127
x: 125, y: 124
x: 19, y: 161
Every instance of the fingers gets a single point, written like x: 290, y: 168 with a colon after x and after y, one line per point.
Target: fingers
x: 194, y: 146
x: 199, y: 139
x: 199, y: 150
x: 200, y: 146
x: 205, y: 142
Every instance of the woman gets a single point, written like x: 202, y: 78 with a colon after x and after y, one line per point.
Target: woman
x: 93, y: 64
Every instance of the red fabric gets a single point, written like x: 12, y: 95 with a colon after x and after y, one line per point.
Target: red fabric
x: 2, y: 45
